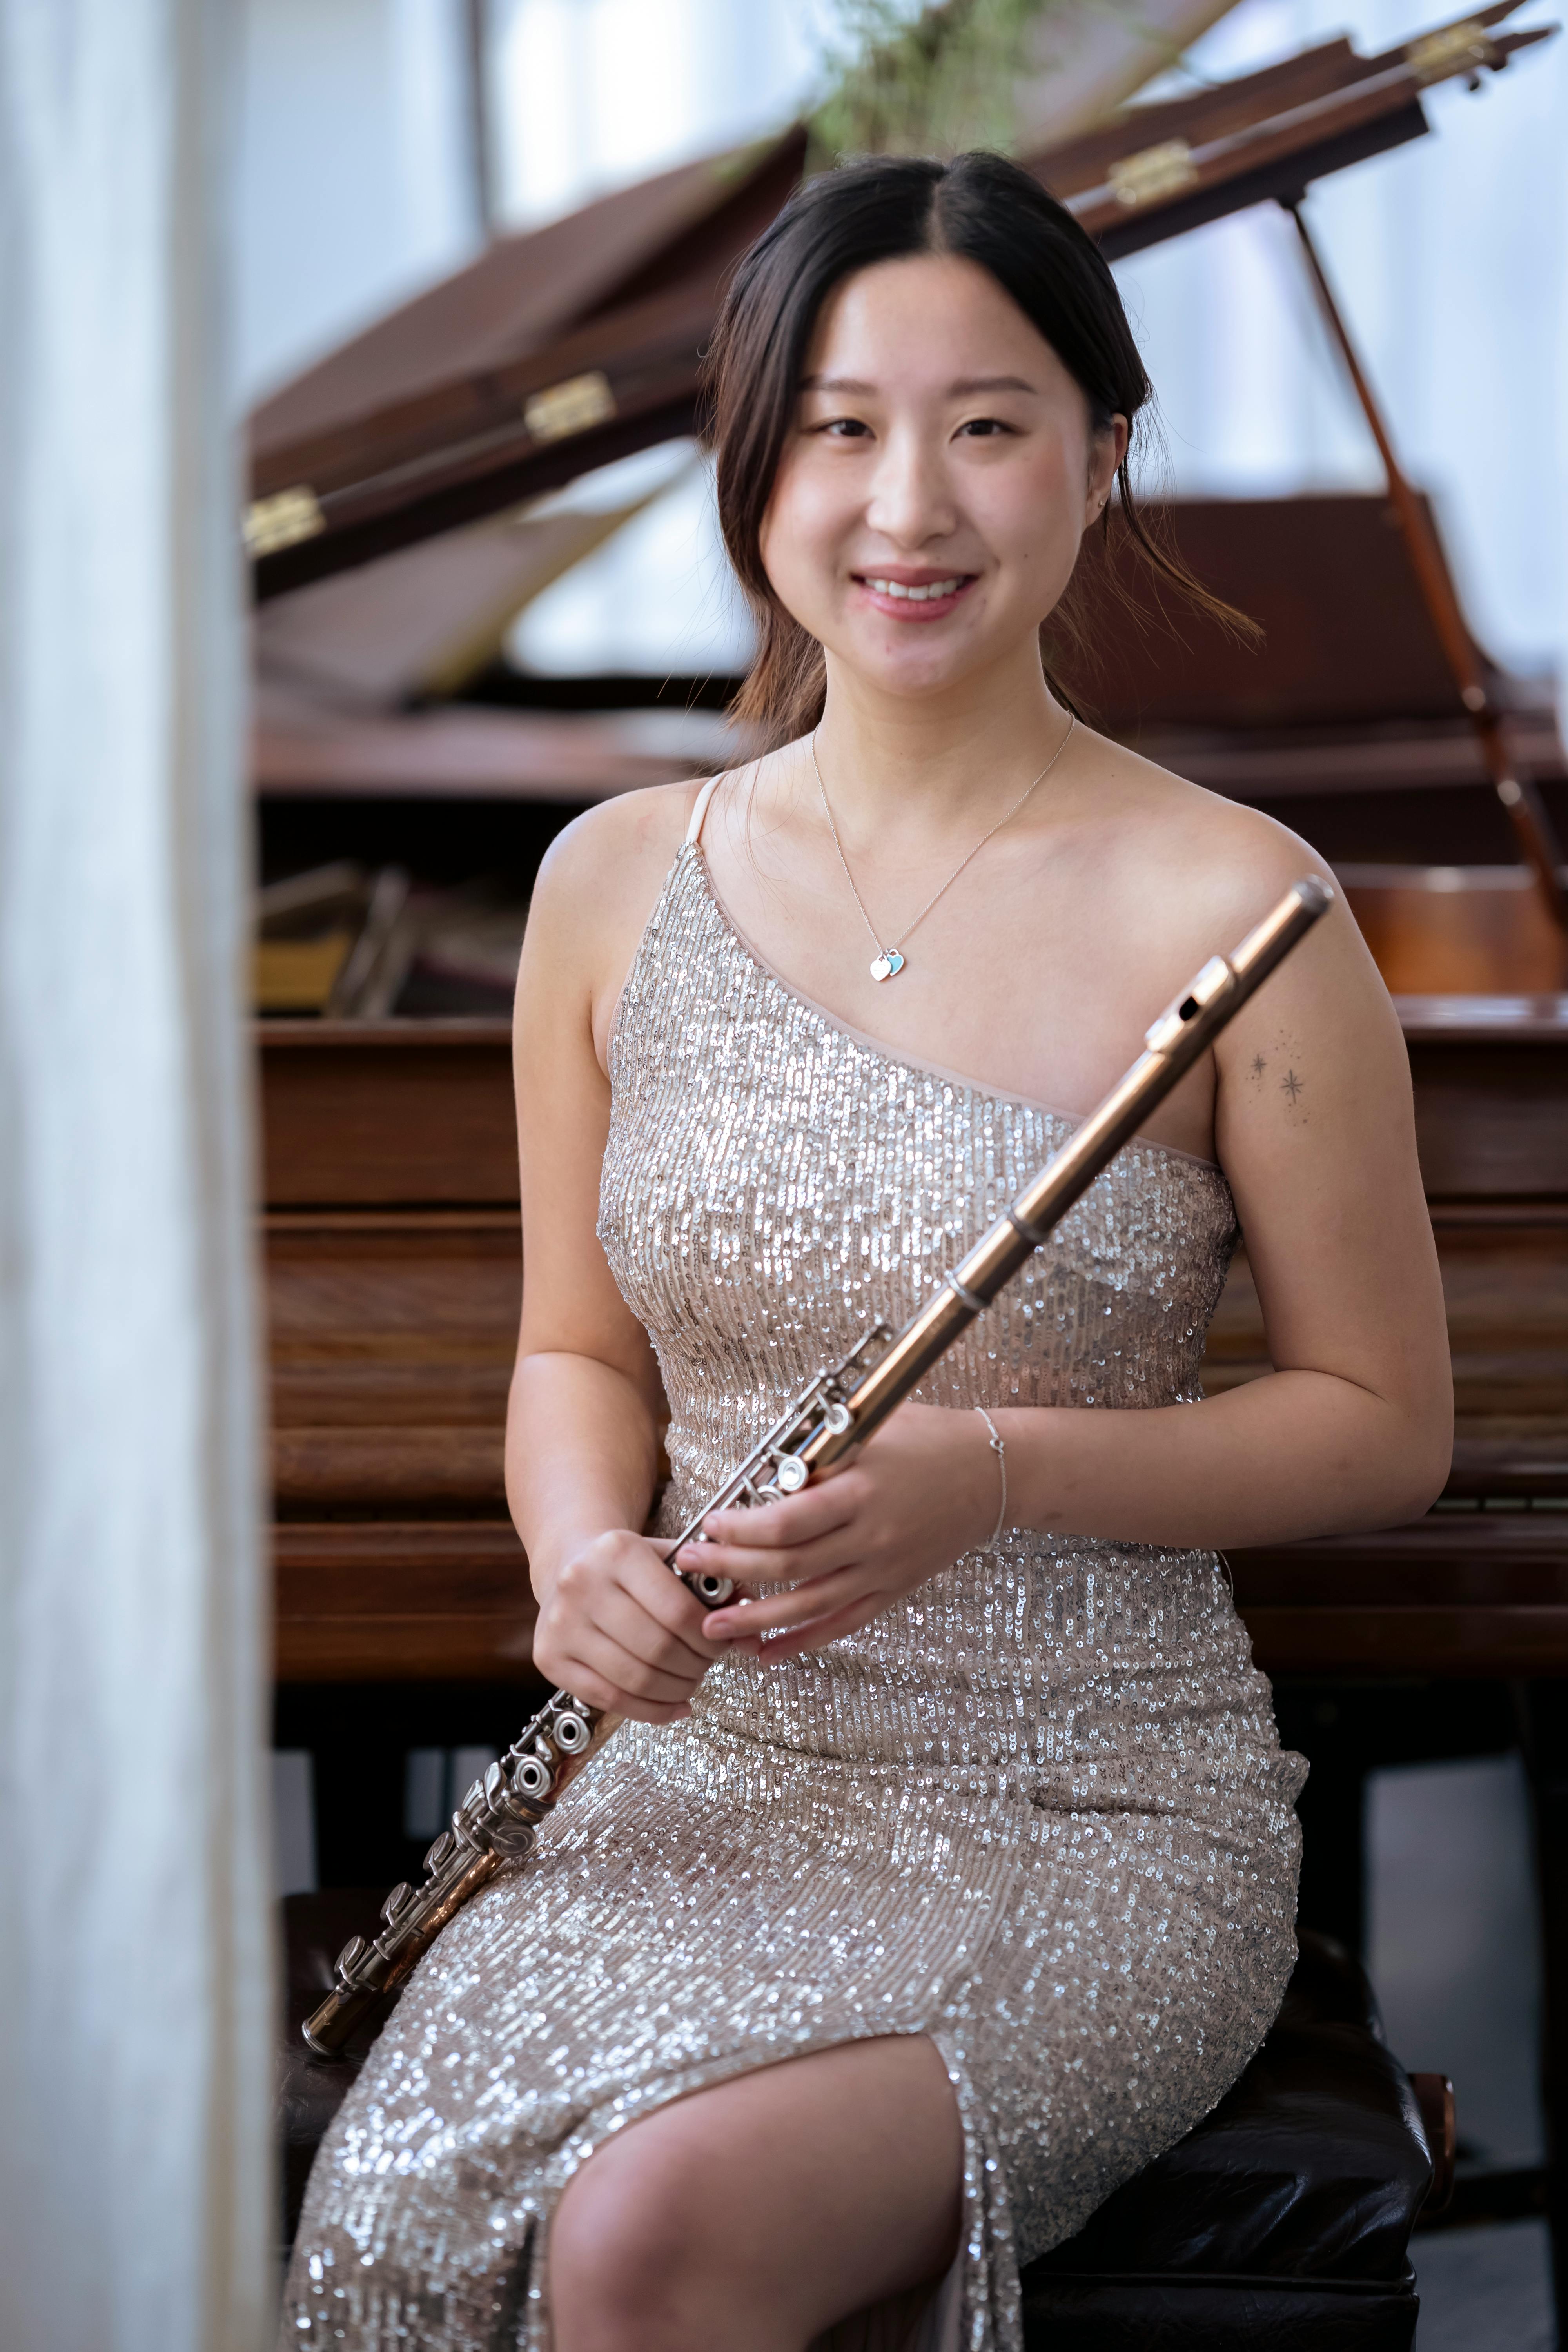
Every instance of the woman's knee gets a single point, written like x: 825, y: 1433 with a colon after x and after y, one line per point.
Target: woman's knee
x: 631, y: 2256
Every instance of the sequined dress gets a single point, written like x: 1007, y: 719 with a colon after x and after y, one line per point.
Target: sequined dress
x: 1038, y: 1811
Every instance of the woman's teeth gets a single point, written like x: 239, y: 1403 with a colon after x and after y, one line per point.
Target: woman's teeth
x: 916, y: 595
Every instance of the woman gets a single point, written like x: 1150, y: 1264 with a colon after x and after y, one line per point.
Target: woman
x: 936, y: 1887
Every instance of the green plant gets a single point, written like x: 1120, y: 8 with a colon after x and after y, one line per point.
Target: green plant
x: 931, y: 83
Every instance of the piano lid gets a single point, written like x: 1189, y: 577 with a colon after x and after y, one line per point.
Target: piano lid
x: 522, y: 294
x: 1348, y: 698
x: 1154, y: 172
x: 502, y: 387
x: 1346, y: 644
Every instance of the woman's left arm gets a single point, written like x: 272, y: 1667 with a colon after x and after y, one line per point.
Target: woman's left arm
x: 1353, y: 1428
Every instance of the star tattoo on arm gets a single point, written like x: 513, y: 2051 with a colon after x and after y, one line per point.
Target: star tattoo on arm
x: 1290, y: 1085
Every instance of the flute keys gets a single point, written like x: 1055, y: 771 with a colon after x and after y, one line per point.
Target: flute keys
x: 571, y: 1733
x: 396, y: 1903
x: 791, y: 1475
x: 838, y: 1419
x: 512, y: 1838
x: 531, y: 1778
x: 441, y: 1853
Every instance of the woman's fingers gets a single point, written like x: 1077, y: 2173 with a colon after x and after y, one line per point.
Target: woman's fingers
x: 636, y: 1688
x: 823, y: 1597
x: 798, y: 1520
x: 674, y: 1618
x: 620, y: 1631
x: 620, y: 1618
x: 820, y: 1557
x: 597, y: 1690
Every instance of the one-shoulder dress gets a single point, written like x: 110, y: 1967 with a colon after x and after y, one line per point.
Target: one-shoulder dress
x: 1038, y: 1811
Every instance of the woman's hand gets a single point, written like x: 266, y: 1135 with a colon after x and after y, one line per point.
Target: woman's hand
x: 619, y: 1631
x: 899, y: 1512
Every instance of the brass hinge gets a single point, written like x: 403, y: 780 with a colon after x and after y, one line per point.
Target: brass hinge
x: 283, y: 520
x: 569, y: 407
x: 1455, y: 48
x: 1154, y: 172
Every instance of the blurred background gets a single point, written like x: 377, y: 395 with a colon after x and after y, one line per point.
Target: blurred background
x: 383, y: 139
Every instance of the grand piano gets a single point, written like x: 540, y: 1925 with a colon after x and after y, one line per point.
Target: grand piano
x: 390, y: 524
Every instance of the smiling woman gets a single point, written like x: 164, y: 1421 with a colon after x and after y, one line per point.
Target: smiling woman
x: 981, y: 210
x: 948, y: 1875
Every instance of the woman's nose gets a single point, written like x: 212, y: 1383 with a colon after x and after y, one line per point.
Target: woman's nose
x: 911, y: 499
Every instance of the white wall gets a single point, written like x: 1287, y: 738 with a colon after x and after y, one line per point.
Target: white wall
x: 591, y: 93
x: 1450, y: 257
x: 355, y: 182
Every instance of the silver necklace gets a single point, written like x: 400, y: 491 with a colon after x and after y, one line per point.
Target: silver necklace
x: 886, y: 963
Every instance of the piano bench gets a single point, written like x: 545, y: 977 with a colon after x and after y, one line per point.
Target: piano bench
x: 1284, y: 2217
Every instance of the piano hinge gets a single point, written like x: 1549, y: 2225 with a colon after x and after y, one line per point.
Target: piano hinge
x: 569, y: 407
x: 1450, y: 50
x: 282, y: 519
x: 1154, y: 172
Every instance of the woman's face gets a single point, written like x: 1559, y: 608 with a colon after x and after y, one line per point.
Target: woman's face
x: 940, y: 475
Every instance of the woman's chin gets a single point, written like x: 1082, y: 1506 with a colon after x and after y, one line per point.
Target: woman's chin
x: 939, y: 665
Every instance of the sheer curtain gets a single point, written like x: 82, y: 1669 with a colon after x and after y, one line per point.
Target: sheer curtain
x: 134, y: 1965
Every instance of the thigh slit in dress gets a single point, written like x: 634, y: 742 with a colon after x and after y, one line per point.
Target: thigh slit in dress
x: 1039, y: 1811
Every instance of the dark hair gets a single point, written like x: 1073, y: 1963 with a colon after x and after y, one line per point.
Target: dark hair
x: 986, y: 210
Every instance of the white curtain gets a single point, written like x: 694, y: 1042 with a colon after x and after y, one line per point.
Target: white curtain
x: 135, y: 1965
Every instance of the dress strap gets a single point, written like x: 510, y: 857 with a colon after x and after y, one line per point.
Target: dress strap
x: 699, y: 809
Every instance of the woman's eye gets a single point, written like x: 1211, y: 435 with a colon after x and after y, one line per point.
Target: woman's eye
x: 845, y: 429
x: 984, y: 426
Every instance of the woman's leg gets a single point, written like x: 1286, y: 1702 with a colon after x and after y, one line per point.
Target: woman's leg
x: 749, y: 2217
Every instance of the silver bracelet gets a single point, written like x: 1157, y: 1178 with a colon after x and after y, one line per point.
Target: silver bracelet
x: 1000, y: 1451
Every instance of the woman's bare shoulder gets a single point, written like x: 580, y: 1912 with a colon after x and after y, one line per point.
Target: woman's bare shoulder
x: 1215, y: 859
x: 615, y: 844
x: 603, y: 873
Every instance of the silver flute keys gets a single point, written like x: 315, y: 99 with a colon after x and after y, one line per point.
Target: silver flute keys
x: 498, y: 1821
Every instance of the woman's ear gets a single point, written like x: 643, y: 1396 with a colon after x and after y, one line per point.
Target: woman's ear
x: 1106, y: 450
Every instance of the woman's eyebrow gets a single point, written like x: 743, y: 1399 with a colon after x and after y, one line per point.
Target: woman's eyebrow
x: 961, y: 390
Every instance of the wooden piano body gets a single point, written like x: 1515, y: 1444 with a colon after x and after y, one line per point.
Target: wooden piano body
x: 394, y: 1278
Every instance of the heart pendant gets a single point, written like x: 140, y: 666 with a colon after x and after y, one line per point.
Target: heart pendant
x: 889, y: 964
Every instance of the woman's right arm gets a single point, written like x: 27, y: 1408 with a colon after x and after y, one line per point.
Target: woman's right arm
x: 614, y: 1626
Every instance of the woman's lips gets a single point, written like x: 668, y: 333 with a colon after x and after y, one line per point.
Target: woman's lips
x: 900, y: 600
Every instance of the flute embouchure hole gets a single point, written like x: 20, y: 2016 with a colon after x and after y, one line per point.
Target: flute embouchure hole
x: 1187, y: 1007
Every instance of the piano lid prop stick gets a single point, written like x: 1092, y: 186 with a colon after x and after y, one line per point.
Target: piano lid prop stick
x: 1519, y: 796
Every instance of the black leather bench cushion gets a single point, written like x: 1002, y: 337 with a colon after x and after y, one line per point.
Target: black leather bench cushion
x: 1313, y: 2166
x: 1214, y: 2314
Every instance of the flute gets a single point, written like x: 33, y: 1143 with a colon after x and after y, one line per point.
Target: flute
x: 498, y: 1819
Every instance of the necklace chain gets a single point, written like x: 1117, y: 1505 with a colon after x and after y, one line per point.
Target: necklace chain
x: 889, y: 957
